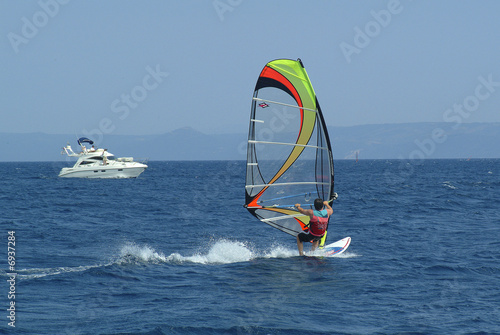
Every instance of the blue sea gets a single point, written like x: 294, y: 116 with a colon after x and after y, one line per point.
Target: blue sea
x: 175, y: 252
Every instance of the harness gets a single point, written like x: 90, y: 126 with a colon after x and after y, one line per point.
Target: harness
x: 318, y: 223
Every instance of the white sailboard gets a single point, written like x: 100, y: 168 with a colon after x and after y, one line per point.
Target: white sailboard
x: 335, y: 248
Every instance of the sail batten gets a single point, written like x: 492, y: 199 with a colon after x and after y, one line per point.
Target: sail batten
x: 284, y: 217
x: 288, y: 151
x: 260, y: 121
x: 294, y: 144
x: 287, y: 184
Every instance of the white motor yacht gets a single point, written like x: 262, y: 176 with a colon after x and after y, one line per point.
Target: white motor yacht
x: 99, y: 163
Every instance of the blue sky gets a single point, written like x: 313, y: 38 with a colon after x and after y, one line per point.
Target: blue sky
x: 149, y: 67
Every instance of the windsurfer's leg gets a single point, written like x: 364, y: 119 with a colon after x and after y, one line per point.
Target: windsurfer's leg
x: 315, y: 245
x: 300, y: 246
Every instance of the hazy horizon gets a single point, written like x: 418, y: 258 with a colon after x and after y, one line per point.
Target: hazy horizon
x: 241, y: 131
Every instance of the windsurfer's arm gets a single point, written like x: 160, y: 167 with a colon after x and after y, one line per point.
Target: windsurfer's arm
x: 329, y: 209
x: 304, y: 211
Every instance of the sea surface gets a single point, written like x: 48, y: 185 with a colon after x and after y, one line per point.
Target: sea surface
x: 175, y: 252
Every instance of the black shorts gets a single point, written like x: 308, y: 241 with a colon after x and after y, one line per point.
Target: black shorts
x: 306, y: 237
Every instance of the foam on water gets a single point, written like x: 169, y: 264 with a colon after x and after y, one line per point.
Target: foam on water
x: 221, y: 251
x: 278, y: 251
x: 133, y: 252
x: 346, y: 254
x: 224, y: 252
x: 43, y: 272
x: 449, y: 185
x: 129, y: 253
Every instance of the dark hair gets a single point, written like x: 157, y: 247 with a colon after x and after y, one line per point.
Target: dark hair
x: 318, y: 204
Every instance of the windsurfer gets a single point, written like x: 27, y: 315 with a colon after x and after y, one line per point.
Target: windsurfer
x: 317, y: 224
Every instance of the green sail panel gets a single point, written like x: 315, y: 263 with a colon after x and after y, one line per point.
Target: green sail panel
x: 289, y: 156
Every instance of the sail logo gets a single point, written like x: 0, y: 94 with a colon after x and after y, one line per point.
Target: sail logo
x: 363, y: 37
x: 31, y: 28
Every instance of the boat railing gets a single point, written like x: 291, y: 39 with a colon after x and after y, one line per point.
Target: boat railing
x: 67, y: 149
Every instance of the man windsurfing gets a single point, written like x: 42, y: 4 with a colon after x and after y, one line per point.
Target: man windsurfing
x: 317, y: 224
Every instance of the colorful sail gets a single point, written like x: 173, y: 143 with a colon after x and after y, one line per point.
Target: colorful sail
x: 289, y: 157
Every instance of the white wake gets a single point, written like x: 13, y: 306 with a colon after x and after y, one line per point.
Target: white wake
x: 220, y: 251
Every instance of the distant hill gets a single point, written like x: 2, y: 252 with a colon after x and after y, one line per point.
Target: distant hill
x: 417, y: 141
x: 384, y: 141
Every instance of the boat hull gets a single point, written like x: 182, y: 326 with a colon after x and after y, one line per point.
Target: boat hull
x: 100, y: 172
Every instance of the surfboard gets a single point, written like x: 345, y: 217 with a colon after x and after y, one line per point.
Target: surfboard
x: 336, y: 248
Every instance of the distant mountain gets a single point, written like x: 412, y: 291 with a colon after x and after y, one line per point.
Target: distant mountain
x: 384, y: 141
x: 417, y: 141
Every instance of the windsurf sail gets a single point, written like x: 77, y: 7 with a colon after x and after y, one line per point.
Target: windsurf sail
x: 289, y: 156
